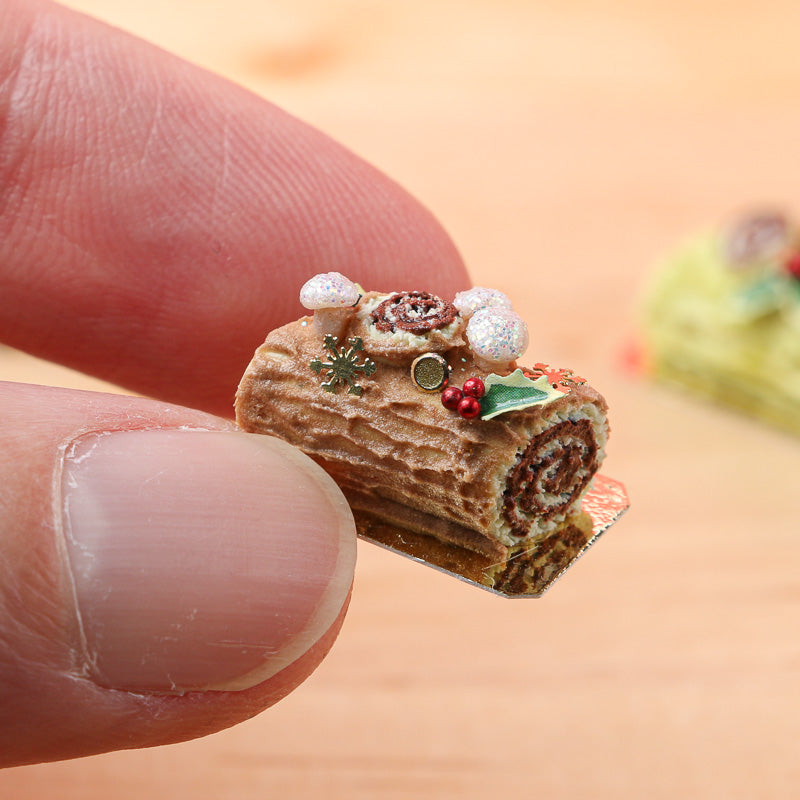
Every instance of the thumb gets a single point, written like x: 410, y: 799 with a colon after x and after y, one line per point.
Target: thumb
x: 162, y: 575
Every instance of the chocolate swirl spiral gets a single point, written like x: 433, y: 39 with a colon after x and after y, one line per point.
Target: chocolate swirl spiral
x: 553, y: 470
x: 415, y: 312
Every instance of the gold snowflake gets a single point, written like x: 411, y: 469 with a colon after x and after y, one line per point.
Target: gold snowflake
x: 342, y: 366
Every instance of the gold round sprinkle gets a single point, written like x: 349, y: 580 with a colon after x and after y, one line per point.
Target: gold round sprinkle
x: 430, y: 372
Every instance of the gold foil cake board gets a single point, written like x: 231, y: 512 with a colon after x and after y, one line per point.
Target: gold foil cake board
x: 528, y: 573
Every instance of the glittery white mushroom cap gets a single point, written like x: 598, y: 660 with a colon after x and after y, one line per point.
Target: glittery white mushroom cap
x: 329, y: 290
x: 497, y: 334
x: 469, y: 301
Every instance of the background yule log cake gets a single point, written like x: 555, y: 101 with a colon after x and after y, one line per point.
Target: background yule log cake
x: 722, y: 317
x: 445, y: 450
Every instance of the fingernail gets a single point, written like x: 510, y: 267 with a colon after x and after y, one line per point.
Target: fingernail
x: 200, y: 560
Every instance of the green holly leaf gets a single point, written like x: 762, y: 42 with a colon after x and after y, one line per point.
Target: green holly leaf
x: 765, y: 295
x: 514, y: 392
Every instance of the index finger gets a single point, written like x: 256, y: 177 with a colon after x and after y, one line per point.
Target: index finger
x: 156, y: 220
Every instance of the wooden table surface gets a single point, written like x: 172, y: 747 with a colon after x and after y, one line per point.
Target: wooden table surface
x: 564, y: 145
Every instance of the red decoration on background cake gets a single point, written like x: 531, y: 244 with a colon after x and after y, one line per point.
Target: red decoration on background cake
x: 792, y: 265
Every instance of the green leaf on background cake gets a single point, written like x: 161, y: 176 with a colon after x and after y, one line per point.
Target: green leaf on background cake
x: 514, y: 392
x: 766, y: 295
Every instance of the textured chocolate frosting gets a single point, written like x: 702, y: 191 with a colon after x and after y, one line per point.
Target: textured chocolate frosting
x: 492, y: 487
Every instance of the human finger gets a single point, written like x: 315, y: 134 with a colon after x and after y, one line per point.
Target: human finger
x: 162, y: 575
x: 156, y: 221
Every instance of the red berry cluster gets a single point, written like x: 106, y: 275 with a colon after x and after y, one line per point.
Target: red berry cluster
x: 465, y: 400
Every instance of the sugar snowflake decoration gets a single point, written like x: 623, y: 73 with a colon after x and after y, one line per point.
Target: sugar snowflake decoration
x: 342, y: 366
x: 557, y: 378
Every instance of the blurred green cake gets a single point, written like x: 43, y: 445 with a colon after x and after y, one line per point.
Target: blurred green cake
x: 722, y: 317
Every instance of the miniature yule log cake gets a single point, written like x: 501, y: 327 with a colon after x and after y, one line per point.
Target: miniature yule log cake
x: 445, y: 448
x: 722, y: 317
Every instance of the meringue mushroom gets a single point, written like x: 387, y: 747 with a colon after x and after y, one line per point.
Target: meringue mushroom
x: 497, y: 336
x: 332, y: 297
x: 469, y: 301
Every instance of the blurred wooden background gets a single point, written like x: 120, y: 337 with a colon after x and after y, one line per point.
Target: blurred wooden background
x: 564, y: 145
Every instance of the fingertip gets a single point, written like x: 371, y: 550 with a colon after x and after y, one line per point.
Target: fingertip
x: 196, y: 212
x: 162, y: 574
x: 201, y: 560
